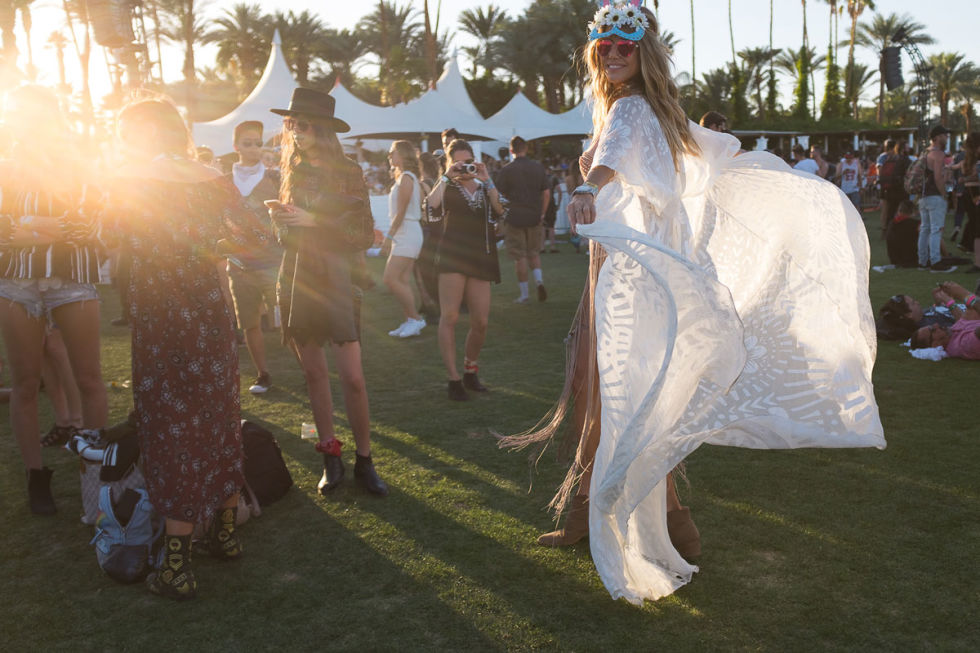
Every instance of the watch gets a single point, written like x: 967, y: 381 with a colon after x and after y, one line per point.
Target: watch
x: 586, y: 188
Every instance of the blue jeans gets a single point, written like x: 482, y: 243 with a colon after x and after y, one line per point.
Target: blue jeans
x: 855, y: 198
x: 932, y: 209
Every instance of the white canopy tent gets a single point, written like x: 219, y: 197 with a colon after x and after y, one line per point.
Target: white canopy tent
x: 273, y: 90
x: 521, y: 117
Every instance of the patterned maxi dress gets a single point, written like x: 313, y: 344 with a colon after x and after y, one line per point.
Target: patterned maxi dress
x: 732, y: 309
x: 185, y: 358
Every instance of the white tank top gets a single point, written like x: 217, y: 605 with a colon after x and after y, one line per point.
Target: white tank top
x: 413, y: 212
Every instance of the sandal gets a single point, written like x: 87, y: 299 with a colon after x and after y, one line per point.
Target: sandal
x: 58, y: 436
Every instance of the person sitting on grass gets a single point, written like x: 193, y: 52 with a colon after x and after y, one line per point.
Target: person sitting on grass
x: 962, y: 339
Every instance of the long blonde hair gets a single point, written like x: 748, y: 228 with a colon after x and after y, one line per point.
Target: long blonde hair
x: 654, y: 83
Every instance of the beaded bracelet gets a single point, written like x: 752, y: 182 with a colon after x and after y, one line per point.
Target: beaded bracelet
x: 970, y: 300
x: 950, y: 303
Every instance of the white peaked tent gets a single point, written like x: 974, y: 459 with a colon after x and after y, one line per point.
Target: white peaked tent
x: 521, y: 117
x: 274, y: 89
x: 447, y: 105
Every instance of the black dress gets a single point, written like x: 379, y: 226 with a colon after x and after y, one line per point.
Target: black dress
x: 468, y: 244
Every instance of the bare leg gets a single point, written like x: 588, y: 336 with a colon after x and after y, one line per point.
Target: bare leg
x: 397, y: 276
x: 313, y: 360
x: 451, y: 288
x: 24, y: 336
x: 79, y: 325
x: 348, y: 357
x: 59, y: 382
x: 478, y: 301
x: 255, y: 344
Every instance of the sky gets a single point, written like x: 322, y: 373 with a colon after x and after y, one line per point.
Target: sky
x: 750, y: 18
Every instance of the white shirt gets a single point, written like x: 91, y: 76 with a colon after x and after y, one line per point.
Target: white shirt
x: 807, y: 165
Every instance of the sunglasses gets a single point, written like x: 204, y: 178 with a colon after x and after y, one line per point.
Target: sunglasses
x: 293, y: 125
x: 624, y: 49
x: 897, y: 299
x: 249, y: 143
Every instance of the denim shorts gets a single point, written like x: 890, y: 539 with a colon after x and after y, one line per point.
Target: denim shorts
x: 40, y: 296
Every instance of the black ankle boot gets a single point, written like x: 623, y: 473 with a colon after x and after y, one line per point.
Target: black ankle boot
x: 175, y: 578
x: 472, y: 382
x: 456, y: 391
x: 333, y: 473
x: 367, y: 477
x: 222, y: 541
x: 39, y: 491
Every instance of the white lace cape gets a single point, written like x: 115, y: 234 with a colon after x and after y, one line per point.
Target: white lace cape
x: 733, y: 309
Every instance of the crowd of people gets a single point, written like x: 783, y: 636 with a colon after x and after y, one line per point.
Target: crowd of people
x: 688, y: 321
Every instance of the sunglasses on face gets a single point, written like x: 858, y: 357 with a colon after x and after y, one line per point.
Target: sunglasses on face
x: 248, y: 143
x: 624, y: 49
x: 293, y: 125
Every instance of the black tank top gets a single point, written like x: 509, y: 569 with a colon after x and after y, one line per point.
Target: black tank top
x: 929, y: 187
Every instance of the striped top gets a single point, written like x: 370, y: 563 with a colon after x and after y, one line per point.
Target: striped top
x: 77, y: 258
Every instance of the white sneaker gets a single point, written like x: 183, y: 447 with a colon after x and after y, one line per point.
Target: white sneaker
x: 522, y: 300
x: 414, y: 328
x: 397, y: 332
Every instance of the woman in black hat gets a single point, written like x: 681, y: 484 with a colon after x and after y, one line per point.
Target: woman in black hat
x: 324, y: 219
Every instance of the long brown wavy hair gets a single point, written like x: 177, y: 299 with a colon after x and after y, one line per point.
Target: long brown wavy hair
x: 328, y: 149
x: 654, y: 83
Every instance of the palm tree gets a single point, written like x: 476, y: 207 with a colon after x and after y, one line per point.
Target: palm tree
x: 771, y: 82
x: 877, y: 36
x: 303, y: 36
x: 714, y: 90
x: 392, y: 34
x: 485, y: 25
x: 950, y: 73
x: 861, y: 78
x: 429, y: 41
x: 243, y: 35
x: 832, y: 105
x: 694, y: 74
x: 967, y: 93
x: 185, y: 25
x: 77, y: 10
x: 8, y: 22
x: 27, y: 22
x: 757, y: 61
x: 854, y: 9
x: 798, y: 65
x: 341, y: 49
x: 58, y: 41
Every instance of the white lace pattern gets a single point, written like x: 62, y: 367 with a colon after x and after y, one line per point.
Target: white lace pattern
x: 733, y: 309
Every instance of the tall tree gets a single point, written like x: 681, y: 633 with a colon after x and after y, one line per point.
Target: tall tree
x: 877, y: 35
x: 757, y: 62
x: 8, y: 23
x: 76, y: 11
x: 854, y: 10
x: 58, y: 42
x: 950, y: 73
x: 771, y: 91
x: 429, y: 41
x: 485, y: 24
x: 185, y: 26
x: 242, y: 34
x: 967, y: 94
x: 832, y: 105
x: 302, y: 37
x: 392, y: 34
x: 797, y: 64
x: 341, y: 49
x: 739, y: 105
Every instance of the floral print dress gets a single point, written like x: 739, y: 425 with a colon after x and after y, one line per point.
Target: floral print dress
x: 185, y: 357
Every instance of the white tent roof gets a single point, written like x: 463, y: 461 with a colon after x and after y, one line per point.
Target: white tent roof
x: 274, y: 89
x: 521, y: 117
x: 448, y: 105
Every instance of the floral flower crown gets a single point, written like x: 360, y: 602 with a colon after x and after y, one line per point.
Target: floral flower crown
x: 624, y: 14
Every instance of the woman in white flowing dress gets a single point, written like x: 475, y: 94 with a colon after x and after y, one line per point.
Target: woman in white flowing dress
x: 727, y: 304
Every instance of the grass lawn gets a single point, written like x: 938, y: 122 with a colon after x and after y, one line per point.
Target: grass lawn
x: 803, y: 550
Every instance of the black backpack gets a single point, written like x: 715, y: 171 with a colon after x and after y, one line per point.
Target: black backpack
x: 265, y: 470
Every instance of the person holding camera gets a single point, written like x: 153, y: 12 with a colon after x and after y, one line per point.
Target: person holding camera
x: 467, y: 203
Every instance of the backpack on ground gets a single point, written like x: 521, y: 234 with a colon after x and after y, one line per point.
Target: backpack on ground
x: 126, y: 533
x: 265, y: 469
x: 915, y: 176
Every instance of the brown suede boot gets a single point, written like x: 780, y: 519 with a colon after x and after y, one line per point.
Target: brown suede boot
x: 683, y: 533
x: 576, y: 525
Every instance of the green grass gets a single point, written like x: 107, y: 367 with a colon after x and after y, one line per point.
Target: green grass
x: 803, y: 550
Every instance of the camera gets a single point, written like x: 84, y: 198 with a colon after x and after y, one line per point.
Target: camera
x: 469, y: 168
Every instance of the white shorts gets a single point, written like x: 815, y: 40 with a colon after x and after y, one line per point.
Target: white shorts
x: 408, y: 241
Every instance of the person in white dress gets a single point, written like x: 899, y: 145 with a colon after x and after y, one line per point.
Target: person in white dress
x: 403, y: 242
x: 563, y: 196
x: 727, y: 304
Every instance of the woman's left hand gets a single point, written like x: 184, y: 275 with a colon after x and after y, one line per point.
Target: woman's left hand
x: 581, y: 210
x: 481, y: 172
x: 293, y: 216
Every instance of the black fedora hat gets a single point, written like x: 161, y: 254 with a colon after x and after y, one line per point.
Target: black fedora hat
x: 316, y: 105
